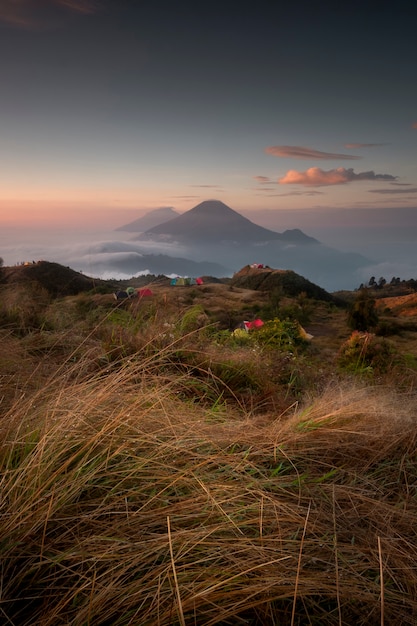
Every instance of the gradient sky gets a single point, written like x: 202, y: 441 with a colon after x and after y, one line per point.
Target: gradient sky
x: 112, y: 107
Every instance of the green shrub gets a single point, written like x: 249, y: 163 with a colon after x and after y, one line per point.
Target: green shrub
x: 282, y: 334
x: 365, y: 353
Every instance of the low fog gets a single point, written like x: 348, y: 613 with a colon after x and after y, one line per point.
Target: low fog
x: 385, y: 239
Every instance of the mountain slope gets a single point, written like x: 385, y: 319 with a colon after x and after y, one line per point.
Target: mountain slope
x: 149, y: 220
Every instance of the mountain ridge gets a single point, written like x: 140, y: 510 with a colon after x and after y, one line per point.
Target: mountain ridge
x: 212, y: 221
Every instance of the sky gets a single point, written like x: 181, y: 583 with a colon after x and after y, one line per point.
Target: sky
x: 301, y: 113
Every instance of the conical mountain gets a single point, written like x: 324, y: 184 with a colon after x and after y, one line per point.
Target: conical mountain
x: 208, y: 222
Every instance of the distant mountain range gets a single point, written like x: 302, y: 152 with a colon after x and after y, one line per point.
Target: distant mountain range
x: 213, y: 222
x: 212, y: 232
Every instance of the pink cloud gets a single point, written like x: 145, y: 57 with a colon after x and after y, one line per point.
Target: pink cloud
x: 315, y: 176
x: 300, y: 152
x: 356, y: 146
x: 414, y: 125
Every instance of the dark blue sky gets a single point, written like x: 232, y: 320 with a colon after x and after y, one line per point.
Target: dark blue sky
x: 135, y: 105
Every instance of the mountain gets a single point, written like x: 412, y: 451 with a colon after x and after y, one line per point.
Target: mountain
x: 213, y: 222
x: 212, y: 231
x: 149, y: 220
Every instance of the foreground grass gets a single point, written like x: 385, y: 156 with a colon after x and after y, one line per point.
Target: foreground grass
x: 124, y: 502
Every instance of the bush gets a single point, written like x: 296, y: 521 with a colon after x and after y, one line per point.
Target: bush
x: 365, y: 353
x: 281, y: 334
x: 362, y: 314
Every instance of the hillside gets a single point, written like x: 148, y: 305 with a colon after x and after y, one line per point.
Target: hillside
x: 159, y: 459
x: 54, y: 278
x: 405, y: 305
x: 288, y: 282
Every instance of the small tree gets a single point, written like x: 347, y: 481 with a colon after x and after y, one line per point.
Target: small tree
x: 362, y: 314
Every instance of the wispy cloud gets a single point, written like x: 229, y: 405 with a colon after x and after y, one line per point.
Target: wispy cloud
x: 35, y: 14
x: 315, y: 176
x: 394, y: 191
x: 263, y: 180
x: 81, y: 6
x: 302, y: 193
x: 301, y: 152
x: 205, y: 186
x: 358, y: 146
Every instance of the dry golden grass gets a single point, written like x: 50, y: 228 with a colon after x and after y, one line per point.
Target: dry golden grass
x: 405, y: 305
x: 123, y: 503
x: 153, y: 472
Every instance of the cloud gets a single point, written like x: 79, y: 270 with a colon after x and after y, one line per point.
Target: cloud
x: 302, y: 193
x: 414, y: 125
x: 206, y: 186
x: 356, y: 146
x: 300, y: 152
x: 39, y: 14
x: 394, y: 191
x: 315, y: 176
x: 81, y: 6
x: 263, y: 180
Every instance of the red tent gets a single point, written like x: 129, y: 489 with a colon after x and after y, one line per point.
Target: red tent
x: 255, y: 324
x: 144, y: 292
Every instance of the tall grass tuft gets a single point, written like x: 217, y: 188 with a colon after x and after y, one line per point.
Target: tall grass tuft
x: 124, y: 503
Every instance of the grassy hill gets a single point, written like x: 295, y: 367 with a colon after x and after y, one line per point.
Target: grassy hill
x: 160, y: 467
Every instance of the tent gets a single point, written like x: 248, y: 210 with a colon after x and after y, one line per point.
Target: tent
x: 120, y: 295
x: 245, y: 325
x: 181, y: 280
x: 143, y: 293
x: 255, y: 324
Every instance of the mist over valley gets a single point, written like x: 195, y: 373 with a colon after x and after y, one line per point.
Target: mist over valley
x: 331, y: 249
